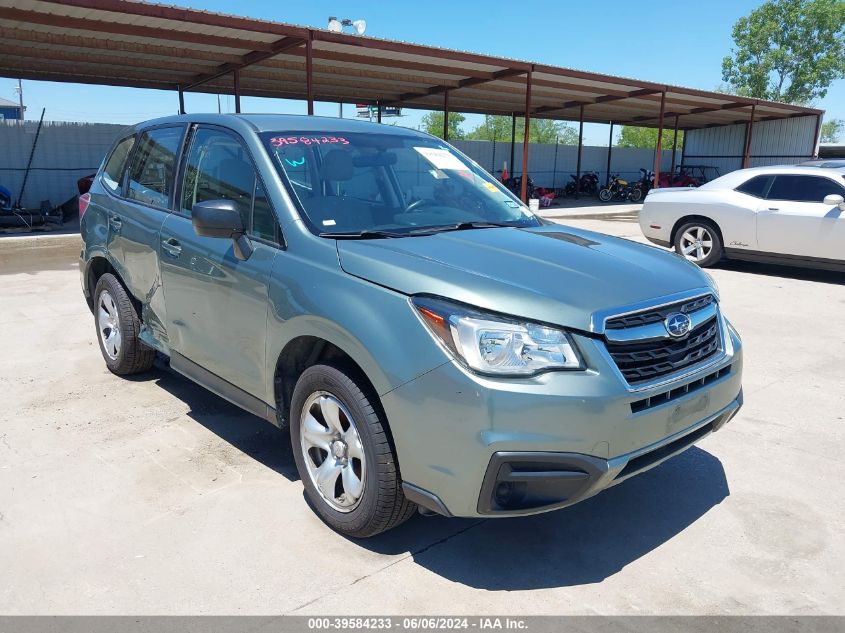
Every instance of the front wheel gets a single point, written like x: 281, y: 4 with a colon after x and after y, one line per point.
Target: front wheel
x: 636, y: 194
x: 605, y: 195
x: 343, y: 454
x: 699, y: 242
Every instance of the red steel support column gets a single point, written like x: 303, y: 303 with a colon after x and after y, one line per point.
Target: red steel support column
x: 513, y: 143
x: 309, y: 73
x: 524, y: 191
x: 181, y: 101
x: 674, y: 147
x: 746, y: 154
x: 659, y: 153
x: 237, y: 92
x: 445, y: 115
x: 580, y: 147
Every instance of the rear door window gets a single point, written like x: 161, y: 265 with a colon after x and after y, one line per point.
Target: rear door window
x: 151, y: 176
x: 803, y: 188
x: 112, y: 176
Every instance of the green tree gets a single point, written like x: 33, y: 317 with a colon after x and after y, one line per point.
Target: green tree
x: 788, y: 50
x: 494, y: 128
x: 498, y: 128
x: 832, y: 131
x: 646, y: 137
x: 433, y: 124
x: 548, y: 131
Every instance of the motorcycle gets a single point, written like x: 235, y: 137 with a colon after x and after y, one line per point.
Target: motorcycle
x: 588, y: 184
x: 615, y: 189
x: 515, y: 186
x: 641, y: 188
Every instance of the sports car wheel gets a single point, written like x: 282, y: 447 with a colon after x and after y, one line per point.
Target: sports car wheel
x: 699, y: 242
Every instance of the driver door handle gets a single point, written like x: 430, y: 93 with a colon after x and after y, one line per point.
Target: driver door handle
x: 172, y: 247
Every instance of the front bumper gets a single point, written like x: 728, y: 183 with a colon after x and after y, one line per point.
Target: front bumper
x: 527, y: 483
x: 554, y: 439
x: 659, y: 242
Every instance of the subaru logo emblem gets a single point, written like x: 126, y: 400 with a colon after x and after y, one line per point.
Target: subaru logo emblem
x: 678, y: 324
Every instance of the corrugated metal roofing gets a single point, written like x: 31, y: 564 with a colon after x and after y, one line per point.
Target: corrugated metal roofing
x: 131, y: 43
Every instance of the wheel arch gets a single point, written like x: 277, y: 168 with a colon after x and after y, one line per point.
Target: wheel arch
x: 692, y: 218
x: 305, y: 351
x: 97, y: 266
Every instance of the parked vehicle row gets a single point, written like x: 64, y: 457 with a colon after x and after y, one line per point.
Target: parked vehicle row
x: 428, y: 340
x: 616, y: 188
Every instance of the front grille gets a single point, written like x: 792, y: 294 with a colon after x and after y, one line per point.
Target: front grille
x: 649, y: 459
x: 678, y: 392
x: 642, y: 361
x: 656, y: 315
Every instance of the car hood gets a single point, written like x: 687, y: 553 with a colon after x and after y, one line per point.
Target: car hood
x: 553, y: 274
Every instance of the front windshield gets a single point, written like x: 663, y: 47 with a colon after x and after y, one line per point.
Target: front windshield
x: 388, y: 182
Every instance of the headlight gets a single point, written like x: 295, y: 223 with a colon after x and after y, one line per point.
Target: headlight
x: 732, y: 329
x: 491, y: 344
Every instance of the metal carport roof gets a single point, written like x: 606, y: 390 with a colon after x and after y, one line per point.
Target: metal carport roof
x: 127, y: 43
x: 145, y: 45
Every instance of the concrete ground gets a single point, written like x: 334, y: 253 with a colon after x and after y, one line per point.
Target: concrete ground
x: 153, y: 496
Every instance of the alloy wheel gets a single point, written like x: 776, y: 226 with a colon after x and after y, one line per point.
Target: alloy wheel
x: 332, y: 451
x: 108, y: 324
x: 696, y: 243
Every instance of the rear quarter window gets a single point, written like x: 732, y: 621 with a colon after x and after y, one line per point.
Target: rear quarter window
x: 757, y: 186
x: 112, y: 176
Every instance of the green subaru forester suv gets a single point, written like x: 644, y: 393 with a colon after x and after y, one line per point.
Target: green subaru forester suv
x: 430, y: 343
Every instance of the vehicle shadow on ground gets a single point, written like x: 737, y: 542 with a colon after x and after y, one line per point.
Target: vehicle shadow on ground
x: 583, y: 544
x: 251, y: 435
x: 787, y: 272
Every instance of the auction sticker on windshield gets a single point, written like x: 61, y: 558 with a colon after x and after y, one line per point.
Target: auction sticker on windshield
x: 441, y: 158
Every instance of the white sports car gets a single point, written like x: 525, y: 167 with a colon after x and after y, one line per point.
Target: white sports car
x: 789, y: 215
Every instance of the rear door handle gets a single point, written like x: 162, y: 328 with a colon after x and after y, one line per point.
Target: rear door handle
x: 115, y: 222
x: 172, y: 247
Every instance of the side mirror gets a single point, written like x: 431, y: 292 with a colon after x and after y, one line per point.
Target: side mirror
x: 835, y: 200
x: 221, y: 218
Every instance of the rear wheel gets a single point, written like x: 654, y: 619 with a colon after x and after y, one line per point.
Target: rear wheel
x: 118, y: 327
x: 343, y: 455
x: 699, y: 242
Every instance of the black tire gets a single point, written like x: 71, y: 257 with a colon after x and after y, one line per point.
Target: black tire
x: 133, y: 356
x: 636, y: 194
x: 605, y: 195
x: 382, y: 504
x: 711, y: 258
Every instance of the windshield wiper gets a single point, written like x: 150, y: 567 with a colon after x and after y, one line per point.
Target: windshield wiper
x: 461, y: 226
x: 363, y: 235
x: 429, y: 230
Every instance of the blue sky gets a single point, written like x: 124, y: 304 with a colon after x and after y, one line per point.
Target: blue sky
x: 679, y: 43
